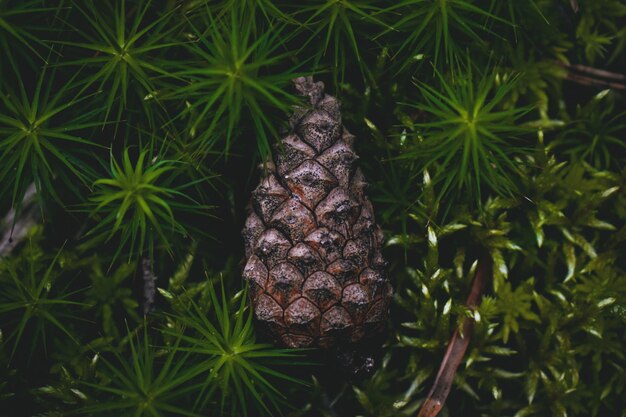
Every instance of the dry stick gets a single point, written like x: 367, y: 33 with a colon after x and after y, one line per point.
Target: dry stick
x: 457, y: 346
x: 16, y: 229
x: 149, y: 286
x: 594, y: 82
x: 597, y: 72
x: 595, y: 77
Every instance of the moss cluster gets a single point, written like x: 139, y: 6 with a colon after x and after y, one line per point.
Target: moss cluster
x: 130, y: 136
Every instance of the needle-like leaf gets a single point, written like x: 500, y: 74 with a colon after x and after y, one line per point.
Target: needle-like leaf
x: 33, y: 302
x: 137, y: 203
x: 231, y: 78
x: 117, y: 42
x: 469, y: 141
x: 41, y: 138
x: 242, y: 370
x: 148, y: 382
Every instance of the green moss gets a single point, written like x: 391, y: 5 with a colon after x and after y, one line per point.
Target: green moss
x: 139, y: 124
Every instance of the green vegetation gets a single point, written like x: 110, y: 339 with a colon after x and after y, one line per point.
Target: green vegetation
x: 131, y: 132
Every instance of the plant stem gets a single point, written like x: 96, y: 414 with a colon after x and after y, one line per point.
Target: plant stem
x: 457, y: 345
x: 594, y: 77
x: 149, y: 287
x: 14, y: 230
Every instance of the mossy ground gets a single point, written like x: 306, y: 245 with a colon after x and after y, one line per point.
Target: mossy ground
x: 131, y: 132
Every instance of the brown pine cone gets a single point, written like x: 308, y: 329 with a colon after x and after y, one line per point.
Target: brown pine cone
x: 314, y: 264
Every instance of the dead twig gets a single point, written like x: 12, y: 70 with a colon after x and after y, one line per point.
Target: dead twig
x: 593, y: 77
x: 597, y: 72
x: 15, y: 229
x: 457, y: 345
x: 149, y: 285
x: 594, y: 82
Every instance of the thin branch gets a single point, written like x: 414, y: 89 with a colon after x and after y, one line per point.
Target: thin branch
x: 595, y: 77
x: 16, y: 229
x: 149, y: 287
x: 597, y: 72
x: 457, y: 345
x: 594, y: 82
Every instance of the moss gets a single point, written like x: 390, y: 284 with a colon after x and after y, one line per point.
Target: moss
x: 483, y: 125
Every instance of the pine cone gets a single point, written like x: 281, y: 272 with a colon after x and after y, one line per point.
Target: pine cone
x: 314, y: 267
